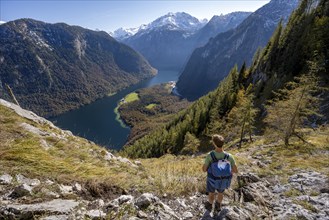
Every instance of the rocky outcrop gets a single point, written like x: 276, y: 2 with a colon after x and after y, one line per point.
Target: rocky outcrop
x: 305, y: 196
x: 255, y: 198
x: 27, y: 211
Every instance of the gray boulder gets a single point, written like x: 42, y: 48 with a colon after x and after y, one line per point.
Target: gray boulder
x: 307, y: 181
x: 95, y: 214
x: 141, y: 214
x: 21, y: 190
x: 187, y: 215
x: 96, y: 204
x: 65, y: 189
x: 145, y: 200
x: 77, y: 187
x: 29, y: 211
x: 24, y: 180
x: 234, y: 213
x: 125, y: 199
x: 6, y: 179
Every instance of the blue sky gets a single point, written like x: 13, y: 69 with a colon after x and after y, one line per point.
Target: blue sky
x: 108, y: 15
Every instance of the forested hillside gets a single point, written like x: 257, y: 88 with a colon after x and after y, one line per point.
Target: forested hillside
x: 279, y: 94
x: 210, y: 64
x: 53, y: 68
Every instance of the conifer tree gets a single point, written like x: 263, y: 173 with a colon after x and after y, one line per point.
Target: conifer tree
x: 293, y: 106
x: 243, y: 116
x: 191, y: 144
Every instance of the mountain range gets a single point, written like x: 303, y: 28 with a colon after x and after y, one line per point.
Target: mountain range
x: 209, y: 64
x: 171, y: 21
x: 48, y: 173
x: 281, y: 95
x: 168, y: 41
x: 53, y: 68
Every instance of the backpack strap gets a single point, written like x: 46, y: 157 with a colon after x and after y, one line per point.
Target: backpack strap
x: 226, y: 156
x: 213, y: 157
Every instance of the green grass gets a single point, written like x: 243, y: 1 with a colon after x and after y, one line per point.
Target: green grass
x: 150, y: 106
x: 73, y: 159
x: 175, y: 175
x: 131, y: 97
x: 69, y: 159
x: 306, y: 205
x: 304, y: 156
x: 292, y: 193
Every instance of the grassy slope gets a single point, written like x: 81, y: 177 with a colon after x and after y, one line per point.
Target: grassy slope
x: 76, y: 159
x: 68, y: 159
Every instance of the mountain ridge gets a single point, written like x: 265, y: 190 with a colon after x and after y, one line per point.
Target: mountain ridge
x: 178, y: 20
x: 52, y: 68
x: 168, y: 41
x: 290, y: 60
x: 209, y: 64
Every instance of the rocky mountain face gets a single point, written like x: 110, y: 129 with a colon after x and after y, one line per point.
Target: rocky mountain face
x: 219, y: 24
x: 52, y: 68
x: 38, y: 194
x: 169, y: 40
x: 208, y: 65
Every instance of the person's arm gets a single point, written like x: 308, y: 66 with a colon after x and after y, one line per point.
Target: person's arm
x: 234, y: 169
x: 206, y: 163
x: 204, y: 168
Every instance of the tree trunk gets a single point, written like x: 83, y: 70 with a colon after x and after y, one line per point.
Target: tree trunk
x: 286, y: 140
x: 291, y: 128
x: 250, y: 135
x: 11, y: 93
x: 241, y: 136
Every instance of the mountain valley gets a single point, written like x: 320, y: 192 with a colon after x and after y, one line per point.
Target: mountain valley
x: 168, y: 41
x: 54, y: 68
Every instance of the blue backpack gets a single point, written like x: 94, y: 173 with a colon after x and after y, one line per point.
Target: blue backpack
x: 220, y: 171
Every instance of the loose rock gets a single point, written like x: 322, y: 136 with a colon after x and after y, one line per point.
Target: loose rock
x: 145, y: 200
x: 27, y: 211
x: 95, y: 214
x: 20, y: 191
x: 23, y: 180
x: 6, y: 179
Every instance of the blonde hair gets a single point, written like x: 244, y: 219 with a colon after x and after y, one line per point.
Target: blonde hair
x: 218, y: 140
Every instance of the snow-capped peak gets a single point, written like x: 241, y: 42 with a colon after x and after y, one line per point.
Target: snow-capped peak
x: 178, y: 20
x: 123, y: 33
x: 170, y: 21
x: 2, y: 22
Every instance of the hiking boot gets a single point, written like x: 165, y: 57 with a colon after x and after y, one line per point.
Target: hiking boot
x: 208, y: 206
x: 218, y: 207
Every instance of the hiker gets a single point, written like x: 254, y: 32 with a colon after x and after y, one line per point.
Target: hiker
x: 220, y: 166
